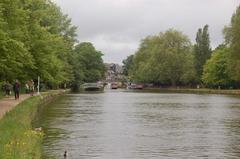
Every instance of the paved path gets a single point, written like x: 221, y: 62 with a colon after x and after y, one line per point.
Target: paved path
x: 6, y: 104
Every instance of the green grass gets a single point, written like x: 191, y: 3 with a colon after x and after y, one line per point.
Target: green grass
x: 17, y: 138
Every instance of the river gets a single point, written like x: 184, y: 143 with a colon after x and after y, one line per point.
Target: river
x: 120, y: 124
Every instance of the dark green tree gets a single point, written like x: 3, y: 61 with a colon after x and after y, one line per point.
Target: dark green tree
x: 89, y: 66
x: 232, y: 38
x: 164, y: 59
x: 36, y: 39
x: 202, y: 50
x: 127, y: 64
x: 215, y: 72
x: 14, y: 56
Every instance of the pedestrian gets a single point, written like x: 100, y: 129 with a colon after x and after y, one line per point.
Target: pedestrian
x: 26, y: 88
x: 16, y: 89
x: 8, y: 89
x: 31, y: 87
x: 4, y: 87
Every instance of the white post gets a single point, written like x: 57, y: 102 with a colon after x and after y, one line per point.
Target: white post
x: 38, y: 85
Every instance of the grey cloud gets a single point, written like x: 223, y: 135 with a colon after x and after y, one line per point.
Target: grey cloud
x: 117, y: 26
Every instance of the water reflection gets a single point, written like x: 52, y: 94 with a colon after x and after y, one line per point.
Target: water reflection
x: 121, y: 125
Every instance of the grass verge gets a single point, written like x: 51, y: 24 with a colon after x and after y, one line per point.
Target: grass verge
x: 18, y: 140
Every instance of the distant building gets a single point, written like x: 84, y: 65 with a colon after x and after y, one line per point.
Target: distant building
x: 114, y: 72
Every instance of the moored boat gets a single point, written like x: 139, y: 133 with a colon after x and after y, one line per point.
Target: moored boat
x: 114, y: 85
x: 135, y: 86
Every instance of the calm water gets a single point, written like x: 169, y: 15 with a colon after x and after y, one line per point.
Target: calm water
x: 133, y: 125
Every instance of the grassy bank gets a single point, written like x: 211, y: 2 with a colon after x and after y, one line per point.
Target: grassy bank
x: 202, y: 90
x: 18, y: 140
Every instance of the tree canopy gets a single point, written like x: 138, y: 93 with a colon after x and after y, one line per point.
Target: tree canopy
x: 89, y: 63
x: 202, y: 50
x: 232, y: 38
x: 215, y: 72
x: 165, y: 59
x: 127, y: 64
x: 37, y: 39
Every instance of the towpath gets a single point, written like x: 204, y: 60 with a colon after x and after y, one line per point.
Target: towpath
x: 7, y: 103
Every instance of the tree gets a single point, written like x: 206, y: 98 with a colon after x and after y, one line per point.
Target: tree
x: 202, y: 50
x: 127, y: 64
x: 14, y: 56
x: 215, y: 72
x: 165, y: 59
x: 49, y: 42
x: 35, y: 39
x: 232, y: 38
x: 89, y: 64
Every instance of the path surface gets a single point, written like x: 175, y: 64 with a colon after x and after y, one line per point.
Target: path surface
x: 6, y: 104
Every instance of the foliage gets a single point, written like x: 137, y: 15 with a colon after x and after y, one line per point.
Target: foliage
x: 89, y: 65
x: 216, y: 72
x: 202, y: 50
x: 232, y: 37
x: 165, y: 59
x: 33, y: 41
x: 127, y: 64
x: 37, y: 39
x: 13, y: 58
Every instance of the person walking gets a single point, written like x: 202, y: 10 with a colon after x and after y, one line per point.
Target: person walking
x: 8, y: 89
x: 4, y: 88
x: 16, y: 89
x: 26, y: 87
x: 31, y: 87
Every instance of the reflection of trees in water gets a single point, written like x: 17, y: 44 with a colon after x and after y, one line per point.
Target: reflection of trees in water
x: 51, y: 114
x: 177, y: 125
x: 232, y: 124
x: 63, y: 119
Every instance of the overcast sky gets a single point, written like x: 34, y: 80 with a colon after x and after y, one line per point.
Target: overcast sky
x: 116, y: 27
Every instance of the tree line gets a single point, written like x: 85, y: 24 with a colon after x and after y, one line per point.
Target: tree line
x: 37, y: 39
x: 169, y: 59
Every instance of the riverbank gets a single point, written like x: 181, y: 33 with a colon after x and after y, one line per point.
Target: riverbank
x: 201, y: 90
x: 18, y: 139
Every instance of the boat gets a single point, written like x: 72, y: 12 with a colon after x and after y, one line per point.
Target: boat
x: 114, y: 85
x: 93, y: 86
x: 139, y: 86
x: 135, y: 86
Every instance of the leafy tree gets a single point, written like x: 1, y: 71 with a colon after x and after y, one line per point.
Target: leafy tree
x: 232, y: 37
x: 165, y: 59
x: 127, y: 63
x: 89, y: 64
x: 13, y: 58
x: 202, y: 50
x: 49, y: 42
x: 13, y: 54
x: 36, y: 39
x: 216, y: 69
